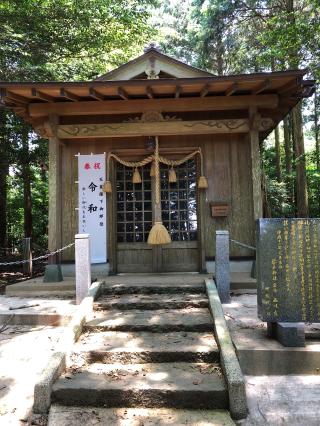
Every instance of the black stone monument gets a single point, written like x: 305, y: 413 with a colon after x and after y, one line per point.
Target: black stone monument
x: 288, y: 270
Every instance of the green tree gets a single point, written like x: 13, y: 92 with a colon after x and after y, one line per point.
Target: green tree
x: 43, y: 40
x: 253, y: 36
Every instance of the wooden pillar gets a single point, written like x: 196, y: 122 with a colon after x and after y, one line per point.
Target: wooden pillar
x: 255, y: 162
x: 55, y: 190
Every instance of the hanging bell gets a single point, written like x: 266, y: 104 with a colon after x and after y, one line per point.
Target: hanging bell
x: 107, y: 187
x: 152, y: 170
x: 136, y: 178
x: 202, y: 182
x: 172, y: 176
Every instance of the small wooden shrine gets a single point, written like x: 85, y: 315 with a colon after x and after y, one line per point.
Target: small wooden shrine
x: 182, y: 148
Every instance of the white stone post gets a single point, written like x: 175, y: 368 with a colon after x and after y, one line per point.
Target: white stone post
x: 222, y: 266
x: 83, y: 266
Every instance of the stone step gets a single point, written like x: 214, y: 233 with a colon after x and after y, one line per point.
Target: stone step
x: 171, y: 385
x: 134, y: 348
x: 154, y: 287
x: 192, y: 319
x: 47, y: 294
x: 75, y: 416
x: 151, y: 301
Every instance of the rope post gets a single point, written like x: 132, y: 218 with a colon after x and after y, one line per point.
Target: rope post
x: 53, y: 272
x: 83, y: 266
x: 222, y: 266
x: 27, y: 255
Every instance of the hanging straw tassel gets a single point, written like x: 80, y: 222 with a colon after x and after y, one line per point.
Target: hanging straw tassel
x: 107, y: 187
x: 158, y: 234
x: 136, y: 178
x: 152, y: 170
x: 172, y: 176
x: 202, y: 182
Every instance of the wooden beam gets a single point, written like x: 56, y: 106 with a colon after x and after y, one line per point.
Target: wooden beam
x: 177, y: 92
x: 231, y: 89
x: 160, y: 128
x: 55, y: 191
x: 123, y: 94
x: 289, y: 87
x: 22, y: 111
x: 42, y: 96
x: 261, y: 87
x: 96, y: 95
x: 51, y: 126
x: 7, y: 95
x: 149, y: 92
x: 255, y: 122
x: 70, y: 96
x: 204, y: 91
x: 212, y: 103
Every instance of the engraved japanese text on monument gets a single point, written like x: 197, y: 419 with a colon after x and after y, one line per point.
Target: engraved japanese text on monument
x: 288, y: 270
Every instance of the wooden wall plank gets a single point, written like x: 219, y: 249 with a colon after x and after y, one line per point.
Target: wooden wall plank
x: 255, y: 163
x: 227, y: 167
x: 241, y: 220
x: 55, y: 197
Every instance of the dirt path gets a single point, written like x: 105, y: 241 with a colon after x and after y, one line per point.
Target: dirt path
x: 24, y: 352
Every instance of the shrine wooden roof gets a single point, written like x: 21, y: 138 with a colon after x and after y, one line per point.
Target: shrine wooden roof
x: 274, y: 94
x: 285, y: 83
x: 153, y: 61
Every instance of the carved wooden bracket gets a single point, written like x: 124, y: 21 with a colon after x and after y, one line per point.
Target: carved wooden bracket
x: 164, y: 127
x: 152, y: 116
x: 255, y: 121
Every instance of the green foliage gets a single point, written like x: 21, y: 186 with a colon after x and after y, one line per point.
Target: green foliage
x: 242, y: 36
x: 35, y: 155
x: 277, y: 192
x: 313, y: 175
x: 43, y: 40
x: 69, y: 39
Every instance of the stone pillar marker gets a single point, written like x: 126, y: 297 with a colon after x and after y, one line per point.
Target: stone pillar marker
x: 27, y: 255
x: 222, y: 266
x: 83, y: 266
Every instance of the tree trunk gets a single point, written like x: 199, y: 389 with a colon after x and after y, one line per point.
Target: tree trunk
x: 301, y: 179
x: 277, y: 139
x: 278, y: 153
x: 316, y: 136
x: 265, y: 200
x: 4, y: 171
x: 297, y: 129
x: 26, y: 176
x: 219, y: 55
x: 288, y: 157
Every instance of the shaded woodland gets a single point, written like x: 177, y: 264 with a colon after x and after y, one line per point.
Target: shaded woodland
x: 80, y: 39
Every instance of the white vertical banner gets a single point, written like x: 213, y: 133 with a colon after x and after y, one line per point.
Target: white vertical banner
x: 92, y: 204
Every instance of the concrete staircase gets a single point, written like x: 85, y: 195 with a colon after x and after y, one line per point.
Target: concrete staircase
x: 148, y: 353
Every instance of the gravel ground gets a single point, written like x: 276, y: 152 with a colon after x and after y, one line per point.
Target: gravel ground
x: 24, y: 351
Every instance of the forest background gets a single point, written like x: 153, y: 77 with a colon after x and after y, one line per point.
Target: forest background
x: 43, y: 40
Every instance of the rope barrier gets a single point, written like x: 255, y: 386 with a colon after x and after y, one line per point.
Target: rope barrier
x: 243, y: 245
x: 45, y: 256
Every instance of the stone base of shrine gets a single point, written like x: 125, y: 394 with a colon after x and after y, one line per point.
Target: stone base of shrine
x: 35, y: 287
x: 98, y: 270
x: 261, y: 355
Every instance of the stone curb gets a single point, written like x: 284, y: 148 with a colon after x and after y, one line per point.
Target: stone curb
x: 57, y: 362
x: 228, y: 357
